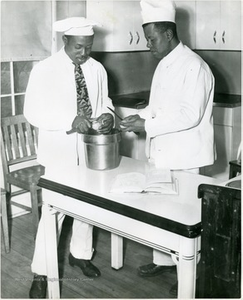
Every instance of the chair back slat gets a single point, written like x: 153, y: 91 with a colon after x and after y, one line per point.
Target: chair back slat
x: 36, y: 132
x: 22, y: 139
x: 14, y: 140
x: 6, y: 143
x: 30, y: 139
x: 4, y: 158
x: 19, y: 140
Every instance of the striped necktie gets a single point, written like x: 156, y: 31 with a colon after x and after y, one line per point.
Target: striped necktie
x: 83, y: 103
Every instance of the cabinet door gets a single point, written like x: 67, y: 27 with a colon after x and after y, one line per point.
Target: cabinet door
x: 218, y: 25
x: 231, y: 25
x: 112, y: 35
x: 121, y: 25
x: 208, y: 34
x: 186, y: 22
x: 139, y: 41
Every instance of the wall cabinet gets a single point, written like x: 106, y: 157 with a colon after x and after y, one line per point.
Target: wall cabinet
x: 227, y: 131
x: 186, y: 22
x: 214, y: 25
x: 121, y: 25
x: 218, y: 25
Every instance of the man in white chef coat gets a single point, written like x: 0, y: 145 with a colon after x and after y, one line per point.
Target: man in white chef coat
x: 178, y: 119
x: 51, y: 105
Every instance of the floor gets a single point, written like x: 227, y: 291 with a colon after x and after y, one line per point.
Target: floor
x: 16, y: 273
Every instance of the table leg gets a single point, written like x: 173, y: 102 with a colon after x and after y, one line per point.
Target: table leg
x: 187, y: 268
x: 49, y: 216
x: 116, y: 251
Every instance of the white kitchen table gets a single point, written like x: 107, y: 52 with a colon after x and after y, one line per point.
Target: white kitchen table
x: 168, y: 223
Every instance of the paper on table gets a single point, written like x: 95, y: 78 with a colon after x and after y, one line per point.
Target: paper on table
x: 158, y: 175
x: 128, y: 182
x: 155, y: 181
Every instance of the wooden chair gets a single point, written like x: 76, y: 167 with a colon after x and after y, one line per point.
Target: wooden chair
x: 220, y: 264
x: 18, y: 147
x: 4, y: 221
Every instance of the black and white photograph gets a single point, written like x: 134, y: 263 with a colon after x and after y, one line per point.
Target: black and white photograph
x: 121, y: 149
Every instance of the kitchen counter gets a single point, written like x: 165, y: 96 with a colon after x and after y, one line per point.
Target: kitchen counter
x: 141, y: 99
x: 134, y: 100
x: 226, y: 100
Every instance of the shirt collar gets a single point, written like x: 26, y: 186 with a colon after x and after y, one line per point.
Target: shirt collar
x: 172, y: 56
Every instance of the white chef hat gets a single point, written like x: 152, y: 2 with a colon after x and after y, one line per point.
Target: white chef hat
x: 158, y: 11
x: 75, y: 26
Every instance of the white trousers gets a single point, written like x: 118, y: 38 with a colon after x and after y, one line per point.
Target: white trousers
x: 80, y: 244
x: 161, y: 258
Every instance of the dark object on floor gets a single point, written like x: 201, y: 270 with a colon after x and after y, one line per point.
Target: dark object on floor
x: 38, y: 287
x: 220, y: 264
x: 151, y: 270
x: 174, y: 289
x: 86, y: 266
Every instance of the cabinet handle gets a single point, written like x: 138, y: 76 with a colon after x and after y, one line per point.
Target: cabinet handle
x: 214, y: 36
x: 223, y: 37
x: 138, y: 37
x: 131, y: 39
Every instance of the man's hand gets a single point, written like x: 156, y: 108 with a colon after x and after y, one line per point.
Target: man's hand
x: 106, y: 122
x: 81, y: 124
x: 133, y: 123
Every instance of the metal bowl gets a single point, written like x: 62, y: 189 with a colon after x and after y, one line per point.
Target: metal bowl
x: 102, y: 150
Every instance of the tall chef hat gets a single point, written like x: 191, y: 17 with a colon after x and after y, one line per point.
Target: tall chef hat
x: 75, y: 26
x: 158, y: 11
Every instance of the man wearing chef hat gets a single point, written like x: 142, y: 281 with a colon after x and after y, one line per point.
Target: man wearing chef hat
x: 64, y: 92
x: 178, y: 120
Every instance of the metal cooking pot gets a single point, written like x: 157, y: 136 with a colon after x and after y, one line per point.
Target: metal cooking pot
x: 102, y: 150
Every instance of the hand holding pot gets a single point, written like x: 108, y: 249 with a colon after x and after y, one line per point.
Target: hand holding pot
x: 106, y: 122
x: 81, y: 124
x: 133, y: 123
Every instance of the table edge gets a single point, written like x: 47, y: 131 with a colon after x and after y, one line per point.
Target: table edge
x: 189, y: 231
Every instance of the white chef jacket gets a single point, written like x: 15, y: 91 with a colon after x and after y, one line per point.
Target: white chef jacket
x: 178, y: 119
x: 51, y: 105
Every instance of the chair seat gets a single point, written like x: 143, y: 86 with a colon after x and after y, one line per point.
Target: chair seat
x: 28, y: 175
